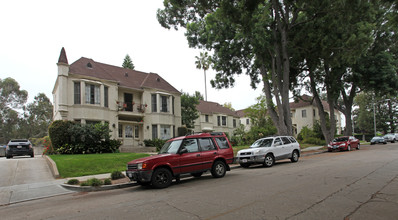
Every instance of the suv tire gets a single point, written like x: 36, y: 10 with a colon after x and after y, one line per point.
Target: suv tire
x: 295, y: 156
x: 269, y: 160
x: 219, y: 169
x: 161, y: 178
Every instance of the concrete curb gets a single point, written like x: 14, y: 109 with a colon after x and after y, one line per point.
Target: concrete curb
x: 52, y: 166
x: 78, y: 188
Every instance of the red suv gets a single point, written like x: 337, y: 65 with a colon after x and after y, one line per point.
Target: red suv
x: 193, y: 154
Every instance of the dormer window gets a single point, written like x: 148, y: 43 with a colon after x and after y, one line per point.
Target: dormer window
x: 89, y: 65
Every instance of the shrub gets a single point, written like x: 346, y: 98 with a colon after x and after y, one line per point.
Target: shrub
x: 158, y: 143
x: 94, y: 182
x: 73, y: 182
x: 117, y: 175
x: 107, y: 182
x: 313, y: 140
x: 84, y: 184
x: 182, y: 131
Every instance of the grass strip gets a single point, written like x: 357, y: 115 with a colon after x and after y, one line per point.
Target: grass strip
x: 90, y: 164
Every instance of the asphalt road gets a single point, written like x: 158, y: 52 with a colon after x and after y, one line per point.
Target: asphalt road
x: 361, y: 184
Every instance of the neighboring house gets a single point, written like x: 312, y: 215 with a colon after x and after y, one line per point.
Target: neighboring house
x: 215, y: 117
x: 136, y: 105
x: 244, y: 120
x: 304, y: 112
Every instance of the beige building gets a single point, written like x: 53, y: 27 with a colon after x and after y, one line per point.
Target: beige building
x: 136, y: 105
x: 215, y: 117
x: 244, y: 120
x: 305, y: 113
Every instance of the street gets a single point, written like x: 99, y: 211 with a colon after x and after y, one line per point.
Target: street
x: 360, y: 184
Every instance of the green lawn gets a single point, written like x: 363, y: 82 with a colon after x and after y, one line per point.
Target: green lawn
x: 90, y: 164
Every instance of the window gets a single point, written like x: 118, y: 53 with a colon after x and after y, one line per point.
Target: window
x: 92, y: 94
x: 154, y: 103
x: 218, y: 120
x: 164, y: 107
x: 277, y: 142
x: 206, y: 118
x: 234, y: 123
x: 191, y: 145
x: 120, y: 130
x: 206, y: 144
x: 247, y: 121
x: 222, y: 142
x: 285, y: 140
x: 292, y: 140
x: 76, y: 91
x: 224, y: 120
x: 106, y: 103
x: 172, y: 105
x: 128, y: 130
x: 304, y: 113
x: 136, y: 131
x: 314, y: 112
x: 154, y: 131
x: 165, y: 132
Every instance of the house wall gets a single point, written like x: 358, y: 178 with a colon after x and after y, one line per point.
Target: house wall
x: 201, y: 124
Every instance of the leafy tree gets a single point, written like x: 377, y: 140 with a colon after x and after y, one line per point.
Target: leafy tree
x: 128, y: 63
x: 229, y: 106
x: 38, y: 116
x: 198, y: 95
x: 251, y: 36
x: 11, y: 99
x: 203, y: 62
x: 189, y: 113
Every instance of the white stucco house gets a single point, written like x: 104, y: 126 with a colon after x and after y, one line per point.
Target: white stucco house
x: 244, y: 119
x: 136, y: 105
x: 304, y: 112
x: 215, y: 117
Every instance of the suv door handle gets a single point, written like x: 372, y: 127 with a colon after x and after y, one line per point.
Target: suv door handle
x: 215, y: 153
x: 197, y: 155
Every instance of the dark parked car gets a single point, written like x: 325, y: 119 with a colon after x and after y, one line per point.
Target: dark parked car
x: 378, y: 140
x: 192, y: 154
x: 344, y: 143
x: 19, y: 147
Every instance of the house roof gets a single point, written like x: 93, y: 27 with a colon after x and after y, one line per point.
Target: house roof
x: 306, y: 100
x: 62, y: 57
x: 125, y: 77
x: 241, y: 113
x: 206, y: 107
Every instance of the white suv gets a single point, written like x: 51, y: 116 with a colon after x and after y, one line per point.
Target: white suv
x: 268, y: 150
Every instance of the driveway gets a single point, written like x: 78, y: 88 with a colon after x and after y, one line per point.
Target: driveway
x: 26, y: 178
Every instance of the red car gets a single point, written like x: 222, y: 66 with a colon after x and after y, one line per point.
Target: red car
x: 193, y: 154
x: 344, y: 143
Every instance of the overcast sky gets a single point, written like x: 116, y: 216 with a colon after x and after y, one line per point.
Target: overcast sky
x: 33, y: 33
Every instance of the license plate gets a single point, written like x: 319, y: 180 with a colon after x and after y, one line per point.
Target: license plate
x: 244, y: 160
x: 19, y: 147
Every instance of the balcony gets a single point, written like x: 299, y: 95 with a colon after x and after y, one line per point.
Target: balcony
x: 131, y: 108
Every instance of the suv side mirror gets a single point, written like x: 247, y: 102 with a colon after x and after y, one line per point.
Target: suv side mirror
x: 183, y: 150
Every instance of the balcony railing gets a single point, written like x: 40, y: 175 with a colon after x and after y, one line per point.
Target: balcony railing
x: 131, y: 107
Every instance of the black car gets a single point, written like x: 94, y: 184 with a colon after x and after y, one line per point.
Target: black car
x: 19, y: 147
x: 378, y: 140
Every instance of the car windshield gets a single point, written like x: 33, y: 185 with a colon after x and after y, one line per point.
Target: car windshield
x: 170, y: 147
x: 262, y: 143
x: 340, y: 139
x: 375, y: 138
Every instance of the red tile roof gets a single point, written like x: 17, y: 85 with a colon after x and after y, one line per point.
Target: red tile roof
x: 306, y: 100
x: 210, y: 108
x: 125, y: 77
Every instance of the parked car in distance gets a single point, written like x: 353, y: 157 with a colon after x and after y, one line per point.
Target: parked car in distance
x: 268, y: 150
x: 344, y: 143
x: 192, y: 154
x: 19, y: 147
x: 378, y: 140
x: 389, y: 138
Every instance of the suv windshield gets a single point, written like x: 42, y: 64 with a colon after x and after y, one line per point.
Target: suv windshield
x: 262, y: 143
x: 170, y: 147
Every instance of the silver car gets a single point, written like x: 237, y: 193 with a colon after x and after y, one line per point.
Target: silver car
x: 390, y: 138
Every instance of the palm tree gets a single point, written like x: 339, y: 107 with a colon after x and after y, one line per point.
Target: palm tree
x: 203, y: 62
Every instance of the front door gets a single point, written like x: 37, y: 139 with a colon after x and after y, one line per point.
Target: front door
x: 191, y: 160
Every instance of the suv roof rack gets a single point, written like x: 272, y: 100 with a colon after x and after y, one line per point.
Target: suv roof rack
x: 216, y: 133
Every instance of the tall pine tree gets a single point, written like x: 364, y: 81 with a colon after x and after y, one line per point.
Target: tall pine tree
x: 127, y: 63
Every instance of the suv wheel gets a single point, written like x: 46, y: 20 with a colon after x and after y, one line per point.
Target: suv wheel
x: 269, y: 160
x: 161, y: 178
x: 295, y: 156
x: 218, y: 170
